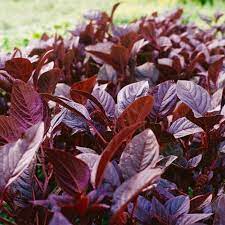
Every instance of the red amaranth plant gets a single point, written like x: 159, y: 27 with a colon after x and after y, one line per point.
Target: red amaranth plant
x: 115, y: 125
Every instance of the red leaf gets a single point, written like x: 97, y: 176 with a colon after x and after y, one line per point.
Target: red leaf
x: 26, y: 104
x: 86, y: 95
x: 180, y: 111
x: 135, y: 112
x: 118, y: 57
x: 9, y: 129
x: 200, y: 201
x: 110, y: 175
x: 81, y: 205
x: 107, y: 58
x: 71, y: 173
x: 85, y: 86
x: 40, y: 64
x: 68, y: 62
x: 48, y: 80
x: 199, y: 58
x: 20, y: 68
x: 111, y: 149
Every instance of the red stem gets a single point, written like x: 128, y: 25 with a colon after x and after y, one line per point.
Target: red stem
x: 39, y: 66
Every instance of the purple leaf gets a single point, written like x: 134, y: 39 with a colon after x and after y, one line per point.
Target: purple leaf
x: 159, y: 212
x: 196, y: 97
x: 106, y: 101
x: 89, y: 158
x: 99, y: 47
x: 56, y: 121
x: 148, y: 72
x: 130, y: 93
x: 166, y: 184
x: 166, y: 161
x: 5, y: 82
x: 189, y: 219
x: 164, y: 42
x: 78, y: 107
x: 219, y: 205
x: 141, y: 152
x: 62, y: 90
x: 16, y: 157
x: 218, y: 15
x: 166, y: 62
x: 85, y: 150
x: 205, y: 18
x: 25, y: 187
x: 162, y: 193
x: 59, y: 219
x: 165, y: 99
x: 74, y: 115
x: 138, y: 45
x: 75, y: 122
x: 183, y: 127
x: 142, y: 209
x: 132, y: 187
x: 107, y: 73
x: 122, y: 30
x: 55, y: 202
x: 178, y: 206
x: 193, y: 162
x: 216, y: 100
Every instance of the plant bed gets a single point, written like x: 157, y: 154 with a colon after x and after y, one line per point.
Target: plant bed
x: 115, y: 125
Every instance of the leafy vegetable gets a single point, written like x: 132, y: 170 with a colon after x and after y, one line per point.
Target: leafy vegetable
x: 115, y: 124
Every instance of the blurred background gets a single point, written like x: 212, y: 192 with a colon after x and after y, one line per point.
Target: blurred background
x: 23, y: 20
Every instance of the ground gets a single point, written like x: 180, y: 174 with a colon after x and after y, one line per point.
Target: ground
x: 22, y: 20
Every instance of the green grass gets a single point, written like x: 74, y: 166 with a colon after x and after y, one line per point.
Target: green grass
x: 22, y: 20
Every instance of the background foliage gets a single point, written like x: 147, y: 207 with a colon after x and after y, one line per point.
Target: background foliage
x: 23, y: 20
